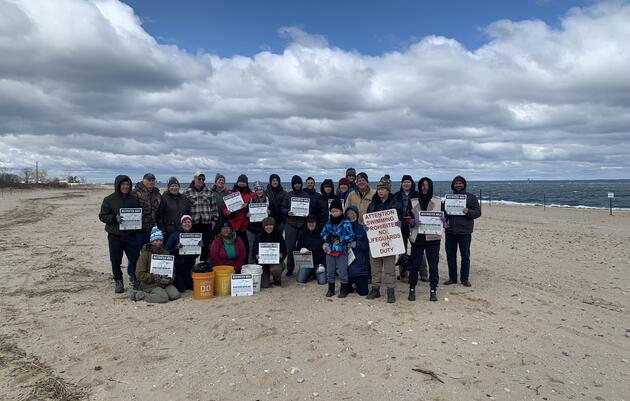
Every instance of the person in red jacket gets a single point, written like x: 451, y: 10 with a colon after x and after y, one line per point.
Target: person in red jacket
x: 227, y: 249
x: 238, y: 219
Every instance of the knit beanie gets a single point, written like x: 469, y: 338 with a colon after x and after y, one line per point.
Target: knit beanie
x: 344, y: 181
x: 364, y: 175
x: 156, y: 234
x: 173, y: 180
x: 184, y: 217
x: 268, y: 221
x: 219, y: 175
x: 242, y: 178
x: 351, y: 171
x: 258, y: 185
x: 385, y: 182
x: 336, y: 204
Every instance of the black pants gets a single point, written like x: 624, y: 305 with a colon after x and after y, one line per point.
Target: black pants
x: 183, y: 277
x: 360, y: 284
x: 451, y: 244
x: 243, y: 236
x: 206, y: 237
x: 432, y: 251
x: 118, y: 245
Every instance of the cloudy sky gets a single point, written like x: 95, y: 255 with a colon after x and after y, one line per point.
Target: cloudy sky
x: 103, y: 87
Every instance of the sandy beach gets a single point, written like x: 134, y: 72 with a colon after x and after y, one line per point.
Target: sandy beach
x: 547, y: 318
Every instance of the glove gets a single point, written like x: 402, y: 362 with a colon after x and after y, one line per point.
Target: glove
x: 443, y: 219
x: 200, y: 243
x: 326, y: 248
x: 397, y: 223
x: 321, y: 269
x: 179, y: 245
x: 417, y: 222
x: 352, y: 244
x: 165, y: 281
x: 119, y: 219
x: 303, y: 250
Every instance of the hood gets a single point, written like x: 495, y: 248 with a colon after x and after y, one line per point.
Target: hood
x: 425, y: 199
x: 296, y: 179
x: 459, y: 177
x: 329, y: 182
x: 119, y: 180
x: 270, y: 188
x: 413, y: 184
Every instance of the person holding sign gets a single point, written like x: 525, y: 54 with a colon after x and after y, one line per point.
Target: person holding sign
x: 324, y: 201
x: 228, y: 249
x: 337, y: 234
x: 361, y: 196
x: 270, y: 235
x: 258, y: 211
x: 383, y: 268
x: 310, y: 240
x: 203, y: 211
x: 404, y: 196
x: 156, y: 288
x: 296, y: 207
x: 359, y: 268
x: 177, y: 246
x: 276, y: 195
x: 422, y: 242
x: 459, y: 230
x: 120, y: 241
x: 172, y: 207
x: 237, y: 214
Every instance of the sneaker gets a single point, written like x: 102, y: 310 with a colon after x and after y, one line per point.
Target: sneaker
x: 412, y: 295
x: 449, y: 282
x: 120, y: 287
x: 433, y: 296
x: 466, y: 283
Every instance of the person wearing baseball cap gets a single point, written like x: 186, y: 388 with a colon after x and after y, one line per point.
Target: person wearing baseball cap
x: 203, y: 210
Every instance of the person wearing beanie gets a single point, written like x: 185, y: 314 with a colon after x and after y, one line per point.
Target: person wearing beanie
x: 294, y: 224
x: 239, y: 220
x: 362, y: 195
x: 404, y: 196
x: 270, y: 234
x: 228, y: 249
x: 459, y: 234
x: 310, y: 239
x: 155, y: 288
x: 359, y: 269
x: 351, y: 176
x: 424, y: 245
x: 203, y: 210
x: 323, y: 203
x: 337, y: 235
x: 384, y: 268
x: 218, y: 191
x: 183, y: 263
x: 120, y: 241
x: 343, y: 190
x: 276, y: 194
x: 172, y: 207
x: 255, y: 228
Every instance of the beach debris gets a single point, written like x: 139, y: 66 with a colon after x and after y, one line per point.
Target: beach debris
x: 268, y: 392
x: 316, y: 394
x: 428, y: 372
x: 456, y: 375
x: 294, y: 370
x: 507, y: 390
x: 300, y: 380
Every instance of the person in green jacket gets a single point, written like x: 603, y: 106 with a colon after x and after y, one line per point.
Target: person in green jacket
x: 120, y: 240
x: 155, y: 288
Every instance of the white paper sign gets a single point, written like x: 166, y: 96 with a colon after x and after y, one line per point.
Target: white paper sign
x: 611, y: 194
x: 300, y: 206
x: 430, y: 223
x: 383, y: 233
x: 304, y: 260
x: 242, y: 285
x: 234, y: 201
x: 190, y: 243
x: 351, y: 256
x: 269, y: 253
x: 454, y: 204
x: 162, y: 265
x: 131, y: 218
x: 257, y: 212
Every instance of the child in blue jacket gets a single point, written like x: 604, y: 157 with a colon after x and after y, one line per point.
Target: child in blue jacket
x: 337, y: 234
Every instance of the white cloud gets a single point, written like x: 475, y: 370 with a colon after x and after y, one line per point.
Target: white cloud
x: 84, y: 87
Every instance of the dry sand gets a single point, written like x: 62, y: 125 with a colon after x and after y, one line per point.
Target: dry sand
x: 546, y: 319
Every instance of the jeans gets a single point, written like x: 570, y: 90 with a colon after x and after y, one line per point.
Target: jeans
x: 451, y: 244
x: 290, y: 237
x: 251, y: 256
x: 118, y: 245
x: 418, y: 251
x: 334, y: 262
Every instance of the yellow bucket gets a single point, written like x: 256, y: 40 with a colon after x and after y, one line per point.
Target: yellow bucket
x: 203, y: 285
x: 222, y: 279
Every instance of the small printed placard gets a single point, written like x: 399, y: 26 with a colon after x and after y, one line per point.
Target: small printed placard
x: 131, y: 218
x: 242, y: 285
x: 162, y: 265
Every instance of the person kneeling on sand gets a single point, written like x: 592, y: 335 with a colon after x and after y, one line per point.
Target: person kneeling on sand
x: 228, y: 249
x: 270, y: 234
x: 310, y: 240
x: 155, y: 288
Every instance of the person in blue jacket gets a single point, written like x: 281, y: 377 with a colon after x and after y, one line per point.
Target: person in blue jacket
x: 359, y: 269
x: 183, y: 263
x: 337, y: 234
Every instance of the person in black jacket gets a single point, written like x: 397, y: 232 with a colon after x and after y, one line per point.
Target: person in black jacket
x: 183, y: 263
x: 459, y: 233
x: 311, y: 240
x: 172, y: 207
x: 324, y: 201
x: 276, y: 194
x: 404, y: 196
x: 294, y: 224
x: 120, y: 240
x: 271, y: 234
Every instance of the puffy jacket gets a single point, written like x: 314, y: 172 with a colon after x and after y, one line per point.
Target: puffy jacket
x: 276, y: 200
x: 172, y: 208
x: 464, y: 224
x: 275, y: 236
x: 323, y: 202
x: 342, y: 232
x: 112, y: 204
x: 150, y: 203
x: 295, y: 221
x: 143, y: 268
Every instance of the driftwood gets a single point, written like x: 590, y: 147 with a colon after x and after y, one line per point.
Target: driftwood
x: 428, y: 372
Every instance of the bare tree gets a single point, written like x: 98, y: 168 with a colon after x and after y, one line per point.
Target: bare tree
x: 28, y: 173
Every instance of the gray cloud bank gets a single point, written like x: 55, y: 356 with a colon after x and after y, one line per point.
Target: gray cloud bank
x: 84, y: 88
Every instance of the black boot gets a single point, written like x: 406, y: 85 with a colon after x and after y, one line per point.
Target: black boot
x: 433, y: 296
x: 343, y: 291
x: 412, y: 294
x: 120, y: 287
x: 375, y: 292
x: 331, y: 290
x: 391, y: 296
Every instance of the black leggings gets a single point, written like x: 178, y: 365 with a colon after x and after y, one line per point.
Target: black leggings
x: 432, y: 250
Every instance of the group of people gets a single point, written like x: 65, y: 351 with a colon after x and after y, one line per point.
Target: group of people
x: 333, y: 230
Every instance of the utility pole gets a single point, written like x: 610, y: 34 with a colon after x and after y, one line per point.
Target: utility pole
x: 36, y: 172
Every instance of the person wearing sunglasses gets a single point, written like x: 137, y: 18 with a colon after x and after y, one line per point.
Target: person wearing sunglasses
x: 203, y: 210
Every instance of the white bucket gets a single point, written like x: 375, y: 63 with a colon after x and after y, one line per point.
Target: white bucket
x: 256, y: 272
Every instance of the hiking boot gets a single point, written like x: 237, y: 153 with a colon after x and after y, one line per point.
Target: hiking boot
x: 331, y: 290
x: 343, y: 291
x: 120, y: 287
x: 449, y: 282
x: 391, y: 297
x: 412, y: 294
x: 134, y: 283
x: 375, y: 292
x: 466, y: 283
x: 433, y: 296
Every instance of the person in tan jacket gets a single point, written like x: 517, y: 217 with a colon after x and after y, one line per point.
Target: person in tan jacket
x: 362, y: 196
x: 422, y: 244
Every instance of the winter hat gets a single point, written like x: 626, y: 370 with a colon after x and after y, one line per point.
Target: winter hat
x: 406, y: 177
x: 364, y: 175
x: 311, y: 218
x: 295, y: 180
x: 198, y: 173
x: 351, y: 171
x: 268, y: 221
x: 156, y: 234
x: 336, y: 204
x: 217, y: 176
x: 353, y: 209
x: 258, y: 185
x: 184, y: 217
x: 149, y: 176
x: 242, y: 178
x: 272, y: 176
x: 344, y: 181
x: 224, y: 224
x: 385, y: 182
x: 173, y: 180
